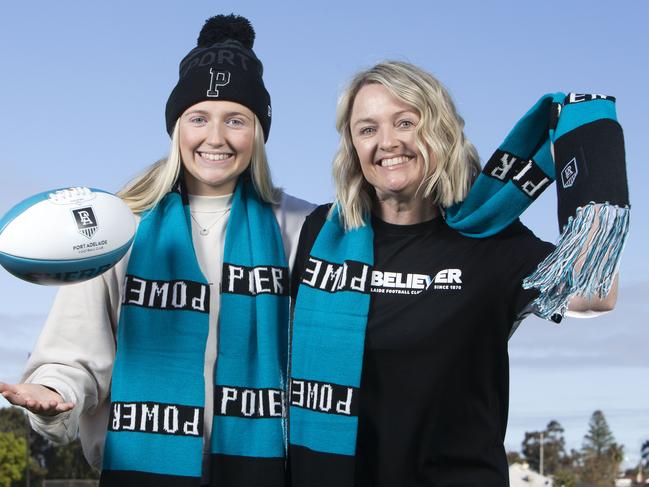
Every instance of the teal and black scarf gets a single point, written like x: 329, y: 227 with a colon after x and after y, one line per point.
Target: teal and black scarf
x: 576, y: 140
x: 572, y: 138
x: 155, y: 431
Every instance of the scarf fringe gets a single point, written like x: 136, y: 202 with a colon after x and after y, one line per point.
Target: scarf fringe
x: 556, y: 278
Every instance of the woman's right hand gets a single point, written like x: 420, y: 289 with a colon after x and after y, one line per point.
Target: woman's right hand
x: 36, y: 398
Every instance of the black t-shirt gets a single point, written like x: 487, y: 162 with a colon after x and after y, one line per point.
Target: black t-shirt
x: 435, y: 380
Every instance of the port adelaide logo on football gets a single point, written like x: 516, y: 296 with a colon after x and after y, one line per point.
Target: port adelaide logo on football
x: 86, y: 221
x: 384, y: 282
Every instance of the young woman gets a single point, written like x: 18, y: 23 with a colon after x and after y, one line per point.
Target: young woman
x: 399, y: 372
x: 171, y: 366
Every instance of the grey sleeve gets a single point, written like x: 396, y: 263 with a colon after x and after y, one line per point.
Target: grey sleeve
x: 75, y: 351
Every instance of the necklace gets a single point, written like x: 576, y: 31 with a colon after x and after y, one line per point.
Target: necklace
x: 206, y: 230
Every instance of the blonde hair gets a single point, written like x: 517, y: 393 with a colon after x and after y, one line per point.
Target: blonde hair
x: 146, y: 190
x: 451, y: 162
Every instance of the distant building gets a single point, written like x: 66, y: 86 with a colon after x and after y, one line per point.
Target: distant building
x: 520, y: 475
x: 630, y: 480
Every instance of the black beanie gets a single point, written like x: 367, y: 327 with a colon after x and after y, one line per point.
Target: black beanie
x: 222, y: 66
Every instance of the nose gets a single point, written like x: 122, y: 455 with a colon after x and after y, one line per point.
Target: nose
x: 388, y: 140
x: 215, y: 135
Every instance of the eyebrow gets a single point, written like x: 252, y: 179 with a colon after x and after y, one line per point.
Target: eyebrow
x: 231, y: 114
x: 371, y: 120
x: 363, y: 120
x: 195, y: 112
x: 205, y: 112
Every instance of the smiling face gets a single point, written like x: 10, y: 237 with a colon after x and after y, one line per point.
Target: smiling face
x: 383, y: 130
x: 216, y: 144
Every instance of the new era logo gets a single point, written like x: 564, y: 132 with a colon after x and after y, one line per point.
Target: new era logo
x: 86, y: 221
x: 569, y: 173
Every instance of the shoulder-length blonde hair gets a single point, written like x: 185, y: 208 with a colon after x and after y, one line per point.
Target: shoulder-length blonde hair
x: 146, y: 190
x: 451, y: 162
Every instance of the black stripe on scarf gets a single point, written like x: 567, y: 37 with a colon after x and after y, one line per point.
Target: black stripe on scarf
x: 120, y: 478
x: 590, y: 167
x: 239, y: 471
x: 316, y: 469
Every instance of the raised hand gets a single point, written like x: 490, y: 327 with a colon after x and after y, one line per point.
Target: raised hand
x: 36, y: 398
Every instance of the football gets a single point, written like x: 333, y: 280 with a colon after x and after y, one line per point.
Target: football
x: 65, y: 236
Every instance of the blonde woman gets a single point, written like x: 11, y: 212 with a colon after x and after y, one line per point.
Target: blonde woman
x: 399, y: 372
x: 171, y: 366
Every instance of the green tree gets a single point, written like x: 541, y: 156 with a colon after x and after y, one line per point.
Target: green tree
x: 13, y: 458
x: 601, y: 455
x: 68, y: 462
x: 531, y: 449
x: 554, y: 448
x: 47, y: 460
x: 574, y: 460
x: 564, y: 477
x: 514, y: 457
x: 599, y: 437
x: 14, y: 420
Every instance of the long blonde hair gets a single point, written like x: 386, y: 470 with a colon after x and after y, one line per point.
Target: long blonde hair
x: 451, y: 162
x: 146, y: 190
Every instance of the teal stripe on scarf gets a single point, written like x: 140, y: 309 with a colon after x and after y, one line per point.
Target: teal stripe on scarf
x: 578, y: 114
x: 492, y: 205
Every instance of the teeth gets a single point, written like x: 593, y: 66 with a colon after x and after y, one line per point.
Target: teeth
x: 394, y: 161
x: 214, y: 157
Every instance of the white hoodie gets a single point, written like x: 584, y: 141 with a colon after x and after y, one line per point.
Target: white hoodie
x: 76, y: 349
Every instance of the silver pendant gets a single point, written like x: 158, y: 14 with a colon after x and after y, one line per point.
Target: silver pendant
x: 204, y: 231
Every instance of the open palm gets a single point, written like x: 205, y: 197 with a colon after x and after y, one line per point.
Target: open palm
x: 36, y: 398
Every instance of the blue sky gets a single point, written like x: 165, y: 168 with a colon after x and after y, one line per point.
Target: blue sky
x: 82, y: 97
